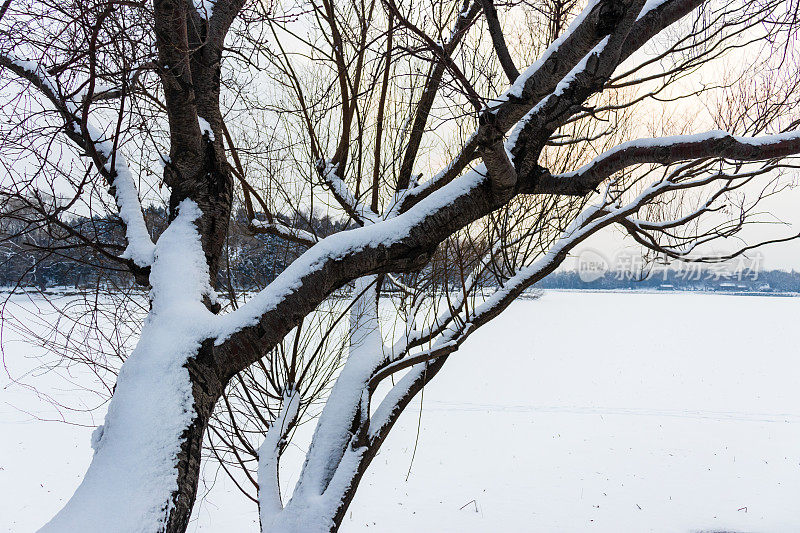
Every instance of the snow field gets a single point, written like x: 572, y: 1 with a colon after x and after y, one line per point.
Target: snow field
x: 599, y: 412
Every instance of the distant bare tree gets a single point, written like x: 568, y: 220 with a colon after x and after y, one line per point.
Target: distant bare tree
x: 348, y: 108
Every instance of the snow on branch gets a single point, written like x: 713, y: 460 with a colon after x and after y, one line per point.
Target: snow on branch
x: 347, y: 243
x: 297, y: 235
x: 132, y: 472
x: 333, y: 430
x: 668, y: 150
x: 269, y: 492
x: 140, y: 246
x: 530, y: 77
x: 541, y: 78
x: 566, y: 83
x: 205, y: 128
x: 360, y: 212
x: 650, y: 5
x: 321, y: 481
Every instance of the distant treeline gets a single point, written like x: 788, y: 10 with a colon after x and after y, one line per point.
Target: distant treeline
x: 45, y: 255
x: 35, y: 254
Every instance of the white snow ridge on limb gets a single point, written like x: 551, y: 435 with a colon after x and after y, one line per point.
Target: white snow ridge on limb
x: 269, y: 492
x: 205, y: 128
x: 133, y: 471
x: 140, y: 246
x: 204, y: 7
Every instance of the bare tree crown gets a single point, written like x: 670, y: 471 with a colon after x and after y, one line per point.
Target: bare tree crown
x: 462, y: 150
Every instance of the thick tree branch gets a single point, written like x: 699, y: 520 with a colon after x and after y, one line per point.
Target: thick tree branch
x: 399, y: 244
x: 223, y: 14
x: 541, y: 78
x: 176, y: 79
x: 668, y: 150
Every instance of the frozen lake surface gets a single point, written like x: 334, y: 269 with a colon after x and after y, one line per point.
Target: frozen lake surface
x: 602, y: 412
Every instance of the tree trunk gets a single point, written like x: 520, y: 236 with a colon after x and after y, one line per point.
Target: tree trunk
x: 144, y: 473
x: 115, y: 494
x: 207, y: 388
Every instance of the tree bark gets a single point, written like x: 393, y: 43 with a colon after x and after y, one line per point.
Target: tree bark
x: 207, y: 388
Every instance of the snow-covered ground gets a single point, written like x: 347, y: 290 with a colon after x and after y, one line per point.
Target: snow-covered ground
x: 602, y: 412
